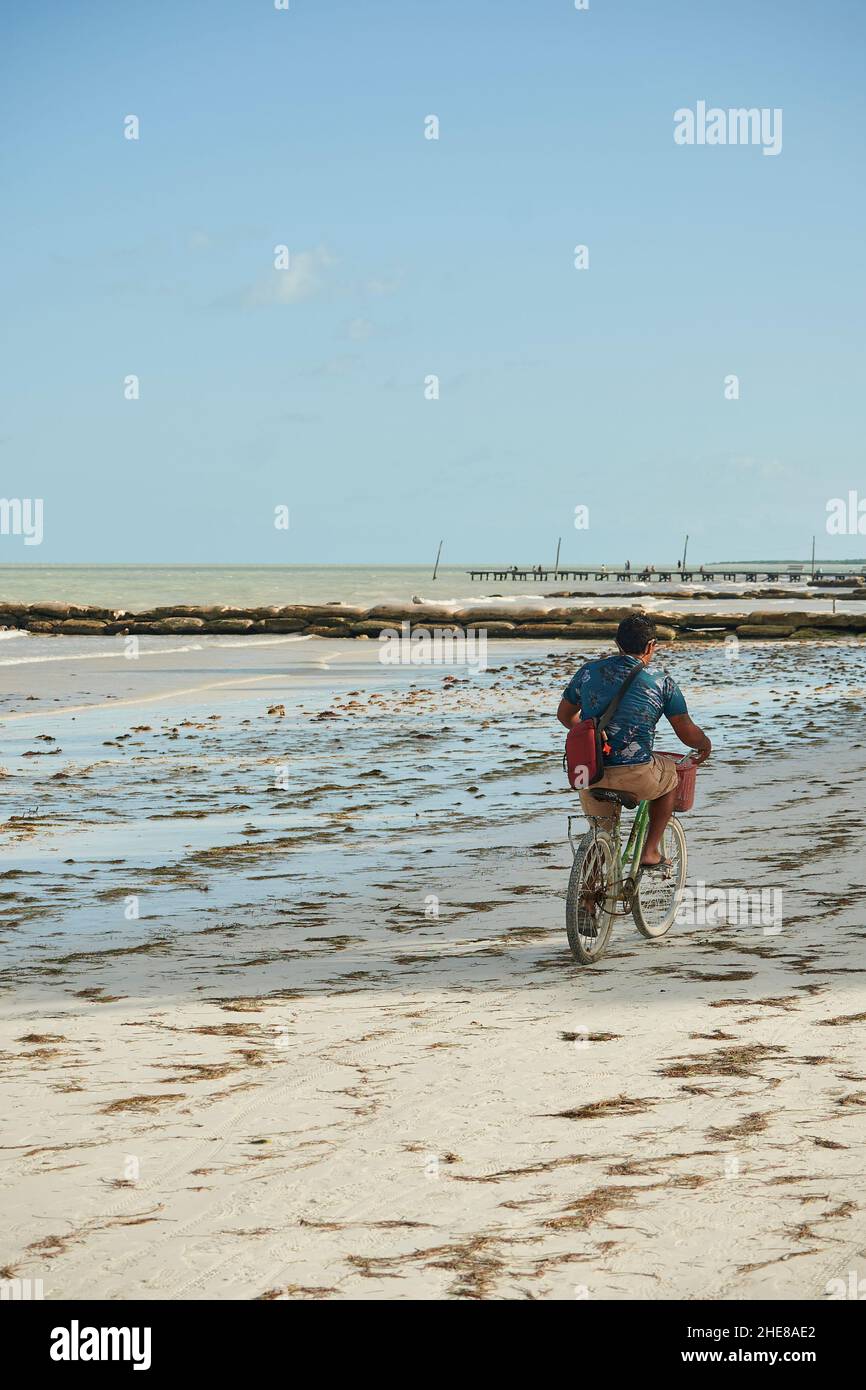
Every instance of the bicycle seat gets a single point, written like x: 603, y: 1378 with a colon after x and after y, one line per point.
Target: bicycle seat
x: 618, y: 798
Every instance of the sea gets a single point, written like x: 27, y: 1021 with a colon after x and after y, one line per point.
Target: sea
x: 145, y: 586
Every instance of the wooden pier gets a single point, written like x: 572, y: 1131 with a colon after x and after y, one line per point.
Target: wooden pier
x: 748, y: 575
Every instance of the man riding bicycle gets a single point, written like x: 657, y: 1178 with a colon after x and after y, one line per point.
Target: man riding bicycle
x: 631, y: 766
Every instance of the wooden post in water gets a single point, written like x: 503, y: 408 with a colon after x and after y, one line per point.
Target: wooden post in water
x: 556, y: 561
x: 813, y: 557
x: 438, y: 553
x: 685, y: 548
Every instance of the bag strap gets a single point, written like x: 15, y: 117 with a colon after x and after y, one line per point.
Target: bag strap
x: 602, y: 719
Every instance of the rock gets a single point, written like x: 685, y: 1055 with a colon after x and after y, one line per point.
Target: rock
x: 168, y: 625
x: 851, y: 622
x: 391, y: 613
x: 608, y: 615
x: 603, y: 631
x: 75, y: 627
x: 499, y: 612
x: 350, y: 611
x: 287, y: 613
x: 228, y: 625
x: 260, y: 611
x: 327, y: 618
x: 792, y: 619
x: 180, y: 625
x: 701, y: 620
x: 800, y: 618
x: 438, y: 631
x: 371, y: 628
x: 573, y: 632
x: 322, y: 614
x: 52, y: 610
x: 61, y: 611
x: 279, y: 625
x: 181, y: 610
x: 767, y: 630
x: 206, y: 612
x: 555, y: 615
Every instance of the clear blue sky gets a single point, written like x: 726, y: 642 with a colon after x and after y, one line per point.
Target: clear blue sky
x: 558, y: 387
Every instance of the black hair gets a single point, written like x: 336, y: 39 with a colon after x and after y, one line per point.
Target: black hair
x: 635, y: 634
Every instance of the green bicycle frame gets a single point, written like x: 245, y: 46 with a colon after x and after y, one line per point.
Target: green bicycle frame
x: 636, y: 841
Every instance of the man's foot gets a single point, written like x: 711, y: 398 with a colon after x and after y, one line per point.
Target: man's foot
x: 654, y: 866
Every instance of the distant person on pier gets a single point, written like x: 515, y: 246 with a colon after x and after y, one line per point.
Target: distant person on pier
x: 628, y: 566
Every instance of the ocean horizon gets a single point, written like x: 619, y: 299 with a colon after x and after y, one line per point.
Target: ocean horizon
x: 142, y: 586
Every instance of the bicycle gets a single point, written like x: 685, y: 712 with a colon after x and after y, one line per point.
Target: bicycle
x: 604, y: 875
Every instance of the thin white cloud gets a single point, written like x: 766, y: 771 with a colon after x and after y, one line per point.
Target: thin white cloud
x: 381, y: 285
x: 340, y: 365
x: 303, y: 279
x: 762, y: 468
x: 359, y: 330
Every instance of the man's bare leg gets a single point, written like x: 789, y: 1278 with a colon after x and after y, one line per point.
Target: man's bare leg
x: 660, y: 812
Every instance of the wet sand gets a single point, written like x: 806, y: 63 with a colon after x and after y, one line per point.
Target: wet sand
x: 342, y: 1051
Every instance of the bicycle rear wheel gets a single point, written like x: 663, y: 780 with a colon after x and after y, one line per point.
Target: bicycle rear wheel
x: 658, y: 894
x: 590, y: 902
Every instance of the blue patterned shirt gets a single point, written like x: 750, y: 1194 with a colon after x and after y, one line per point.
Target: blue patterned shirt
x: 631, y: 731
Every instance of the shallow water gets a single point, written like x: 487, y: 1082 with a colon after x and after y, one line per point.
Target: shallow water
x: 142, y: 586
x: 185, y: 795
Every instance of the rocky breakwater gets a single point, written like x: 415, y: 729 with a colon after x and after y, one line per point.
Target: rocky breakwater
x: 344, y: 620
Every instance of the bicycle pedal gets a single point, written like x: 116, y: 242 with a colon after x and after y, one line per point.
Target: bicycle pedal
x: 629, y: 889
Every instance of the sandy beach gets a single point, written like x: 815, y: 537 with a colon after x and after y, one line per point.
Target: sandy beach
x: 288, y: 1010
x: 371, y: 370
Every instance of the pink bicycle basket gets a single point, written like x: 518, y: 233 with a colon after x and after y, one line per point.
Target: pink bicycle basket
x: 687, y: 773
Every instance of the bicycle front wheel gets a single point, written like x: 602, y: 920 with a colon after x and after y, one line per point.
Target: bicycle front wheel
x: 658, y: 895
x: 590, y: 902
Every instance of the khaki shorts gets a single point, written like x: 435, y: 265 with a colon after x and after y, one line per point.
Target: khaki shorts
x: 646, y: 781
